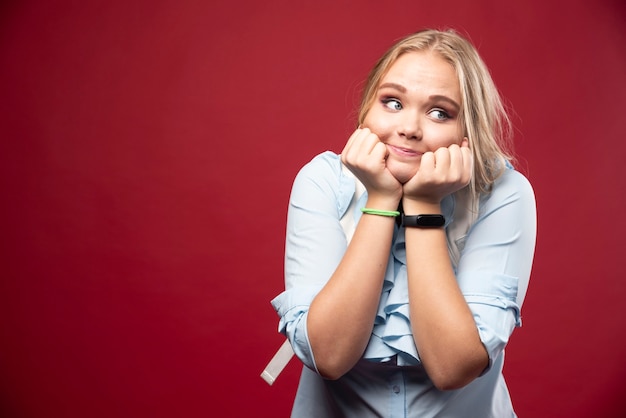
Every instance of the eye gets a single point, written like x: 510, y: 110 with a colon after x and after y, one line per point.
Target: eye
x: 391, y: 103
x: 439, y: 114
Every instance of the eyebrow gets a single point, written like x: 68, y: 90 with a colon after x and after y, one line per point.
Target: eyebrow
x: 439, y: 97
x: 434, y: 97
x: 395, y: 86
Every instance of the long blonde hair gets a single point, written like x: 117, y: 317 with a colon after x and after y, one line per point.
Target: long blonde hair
x: 483, y: 117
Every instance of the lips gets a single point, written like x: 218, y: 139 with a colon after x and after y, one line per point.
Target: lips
x: 404, y: 152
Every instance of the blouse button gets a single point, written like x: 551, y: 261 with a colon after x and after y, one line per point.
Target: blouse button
x: 396, y: 389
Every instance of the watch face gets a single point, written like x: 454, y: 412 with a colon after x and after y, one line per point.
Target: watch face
x: 430, y: 220
x: 424, y: 221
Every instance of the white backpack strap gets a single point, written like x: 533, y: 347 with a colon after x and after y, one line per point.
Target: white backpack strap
x: 277, y: 363
x: 285, y: 352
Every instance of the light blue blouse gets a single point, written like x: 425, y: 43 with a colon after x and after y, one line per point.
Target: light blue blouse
x: 389, y: 381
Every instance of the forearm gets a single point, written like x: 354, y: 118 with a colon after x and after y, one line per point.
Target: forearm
x: 443, y: 325
x: 341, y: 317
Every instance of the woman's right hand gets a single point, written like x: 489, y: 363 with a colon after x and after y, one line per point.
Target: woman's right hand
x: 366, y: 156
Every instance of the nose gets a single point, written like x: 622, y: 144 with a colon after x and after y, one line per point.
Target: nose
x: 409, y: 126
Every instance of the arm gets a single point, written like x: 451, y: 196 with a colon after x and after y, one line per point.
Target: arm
x: 315, y: 248
x: 443, y: 325
x: 462, y: 323
x: 341, y: 316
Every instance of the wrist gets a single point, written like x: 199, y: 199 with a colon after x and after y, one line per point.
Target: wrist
x: 417, y: 207
x: 382, y: 203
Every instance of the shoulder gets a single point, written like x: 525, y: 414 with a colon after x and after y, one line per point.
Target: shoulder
x: 324, y: 170
x: 325, y: 163
x: 323, y: 177
x: 321, y: 172
x: 510, y: 184
x: 511, y: 192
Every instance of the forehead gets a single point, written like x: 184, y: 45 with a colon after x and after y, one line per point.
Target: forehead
x: 424, y: 71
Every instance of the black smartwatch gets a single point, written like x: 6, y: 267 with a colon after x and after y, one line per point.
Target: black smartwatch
x: 423, y: 221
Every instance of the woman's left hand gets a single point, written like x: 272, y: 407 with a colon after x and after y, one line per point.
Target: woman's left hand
x: 440, y: 174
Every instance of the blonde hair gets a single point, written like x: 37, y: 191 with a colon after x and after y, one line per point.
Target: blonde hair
x: 483, y: 117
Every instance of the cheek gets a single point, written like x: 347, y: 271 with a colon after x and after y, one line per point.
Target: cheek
x: 379, y: 125
x: 443, y: 137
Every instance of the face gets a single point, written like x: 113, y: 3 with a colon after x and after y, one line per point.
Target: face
x: 415, y: 110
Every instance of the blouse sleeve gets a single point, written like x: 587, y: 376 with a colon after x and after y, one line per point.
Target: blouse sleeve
x: 315, y: 245
x: 495, y: 265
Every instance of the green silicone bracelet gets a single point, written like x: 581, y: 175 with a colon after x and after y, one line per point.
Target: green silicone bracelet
x: 390, y: 213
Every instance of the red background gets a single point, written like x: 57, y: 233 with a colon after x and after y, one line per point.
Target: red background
x: 146, y: 157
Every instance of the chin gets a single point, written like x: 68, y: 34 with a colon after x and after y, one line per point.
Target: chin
x: 402, y: 172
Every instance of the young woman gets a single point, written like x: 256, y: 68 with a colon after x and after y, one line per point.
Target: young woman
x: 408, y: 256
